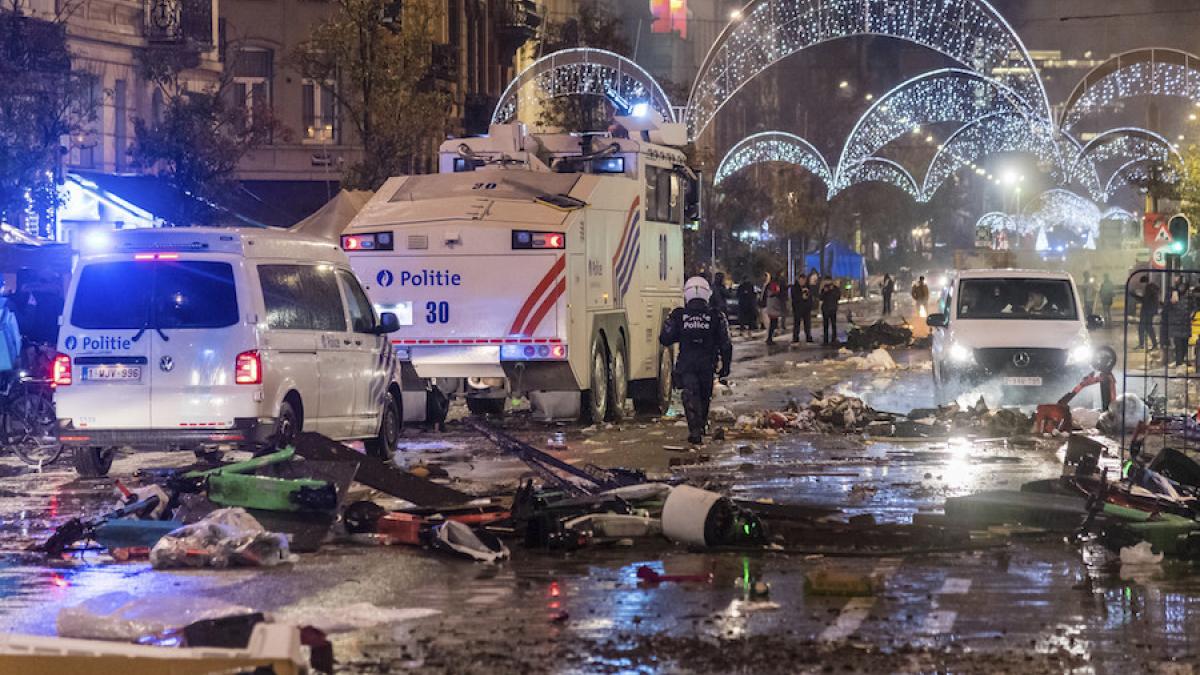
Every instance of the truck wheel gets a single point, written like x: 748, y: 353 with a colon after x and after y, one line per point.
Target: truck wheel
x: 384, y: 442
x: 485, y: 405
x: 599, y: 379
x: 653, y: 397
x: 93, y: 462
x: 619, y: 391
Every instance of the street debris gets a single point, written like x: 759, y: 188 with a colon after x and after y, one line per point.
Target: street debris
x: 829, y: 581
x: 459, y: 539
x: 876, y: 335
x: 227, y: 537
x: 123, y: 616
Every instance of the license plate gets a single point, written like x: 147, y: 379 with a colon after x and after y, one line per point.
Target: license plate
x: 113, y: 373
x: 1023, y: 381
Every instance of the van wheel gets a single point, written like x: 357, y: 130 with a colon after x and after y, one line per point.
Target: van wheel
x: 653, y: 397
x: 619, y: 391
x: 287, y: 427
x: 599, y: 379
x: 384, y: 443
x: 93, y: 462
x: 485, y: 405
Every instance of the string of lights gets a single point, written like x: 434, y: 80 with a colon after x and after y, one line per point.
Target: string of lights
x: 581, y: 71
x: 971, y: 32
x: 1142, y: 72
x: 773, y: 146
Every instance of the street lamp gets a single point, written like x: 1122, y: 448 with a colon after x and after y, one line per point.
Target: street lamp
x: 735, y: 15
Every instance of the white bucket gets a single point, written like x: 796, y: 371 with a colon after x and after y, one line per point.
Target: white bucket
x: 685, y: 514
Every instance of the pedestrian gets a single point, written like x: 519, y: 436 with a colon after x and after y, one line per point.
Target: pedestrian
x: 720, y: 294
x: 747, y: 307
x: 887, y: 288
x: 1089, y: 294
x: 802, y: 307
x: 1148, y: 300
x: 704, y: 348
x: 1107, y: 294
x: 762, y: 299
x: 775, y: 309
x: 829, y: 296
x: 920, y: 295
x: 1177, y: 325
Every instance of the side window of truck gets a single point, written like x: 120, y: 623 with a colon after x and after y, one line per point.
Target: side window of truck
x: 302, y: 297
x: 362, y: 315
x: 652, y: 193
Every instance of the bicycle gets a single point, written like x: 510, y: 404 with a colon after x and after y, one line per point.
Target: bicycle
x: 27, y: 417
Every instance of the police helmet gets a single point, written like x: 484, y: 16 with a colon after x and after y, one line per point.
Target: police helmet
x: 696, y: 287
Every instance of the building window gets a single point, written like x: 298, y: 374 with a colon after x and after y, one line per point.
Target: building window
x: 251, y: 84
x: 320, y: 121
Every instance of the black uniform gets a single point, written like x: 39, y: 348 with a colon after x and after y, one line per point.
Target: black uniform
x: 703, y: 337
x: 802, y: 307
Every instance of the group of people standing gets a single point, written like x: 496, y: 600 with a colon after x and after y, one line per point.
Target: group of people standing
x: 1174, y: 309
x: 770, y: 304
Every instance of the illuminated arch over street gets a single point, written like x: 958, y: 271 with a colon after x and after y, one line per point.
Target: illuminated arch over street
x: 936, y: 97
x: 773, y: 146
x: 582, y: 71
x: 1141, y: 72
x: 991, y: 134
x: 971, y: 32
x: 1128, y: 145
x: 879, y: 170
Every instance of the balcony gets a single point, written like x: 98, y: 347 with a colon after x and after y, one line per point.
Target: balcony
x: 178, y: 21
x: 517, y: 23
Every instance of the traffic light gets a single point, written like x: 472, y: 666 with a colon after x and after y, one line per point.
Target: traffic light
x: 1180, y: 229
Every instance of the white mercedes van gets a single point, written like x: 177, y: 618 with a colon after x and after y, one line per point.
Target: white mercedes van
x: 1020, y: 335
x: 215, y: 338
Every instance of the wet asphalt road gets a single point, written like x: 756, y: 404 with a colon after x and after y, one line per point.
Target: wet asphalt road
x: 1037, y: 606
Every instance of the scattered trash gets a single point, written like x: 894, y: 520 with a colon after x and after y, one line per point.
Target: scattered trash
x: 459, y: 539
x: 1140, y: 554
x: 648, y: 575
x: 123, y: 616
x: 827, y: 581
x: 702, y: 518
x: 227, y: 537
x: 878, y: 334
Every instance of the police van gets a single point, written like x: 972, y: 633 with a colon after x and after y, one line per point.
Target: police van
x: 209, y: 338
x: 534, y: 264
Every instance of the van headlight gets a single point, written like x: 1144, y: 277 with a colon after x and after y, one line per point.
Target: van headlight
x: 1080, y: 354
x: 960, y: 354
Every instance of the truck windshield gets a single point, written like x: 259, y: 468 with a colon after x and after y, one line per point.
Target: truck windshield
x: 157, y: 294
x: 1049, y: 299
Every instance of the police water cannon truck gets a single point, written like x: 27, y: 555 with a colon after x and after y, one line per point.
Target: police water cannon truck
x: 535, y: 264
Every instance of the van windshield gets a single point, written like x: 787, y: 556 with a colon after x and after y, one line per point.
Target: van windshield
x: 1026, y: 299
x: 158, y: 294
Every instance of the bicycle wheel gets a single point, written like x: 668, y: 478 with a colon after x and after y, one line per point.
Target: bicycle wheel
x: 30, y: 428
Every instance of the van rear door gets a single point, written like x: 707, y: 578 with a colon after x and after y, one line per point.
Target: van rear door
x: 196, y: 336
x: 105, y: 336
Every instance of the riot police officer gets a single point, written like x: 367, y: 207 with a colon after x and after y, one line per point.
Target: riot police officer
x: 703, y: 336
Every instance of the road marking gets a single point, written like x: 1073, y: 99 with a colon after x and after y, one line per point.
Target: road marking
x: 953, y: 586
x: 938, y: 622
x: 858, y: 609
x: 853, y: 614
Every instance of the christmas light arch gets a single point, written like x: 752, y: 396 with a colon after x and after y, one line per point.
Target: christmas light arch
x: 1129, y: 145
x: 996, y: 221
x: 991, y: 134
x: 773, y: 146
x: 935, y: 97
x: 971, y: 32
x: 582, y: 71
x: 1154, y: 71
x: 878, y: 170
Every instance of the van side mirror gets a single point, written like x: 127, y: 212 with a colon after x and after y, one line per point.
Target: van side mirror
x: 388, y: 323
x: 936, y: 321
x: 1095, y: 322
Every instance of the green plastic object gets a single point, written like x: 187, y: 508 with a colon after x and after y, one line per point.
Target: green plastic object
x: 271, y: 494
x: 247, y: 466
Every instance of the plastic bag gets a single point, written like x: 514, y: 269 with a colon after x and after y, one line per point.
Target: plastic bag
x: 454, y: 537
x: 225, y: 538
x: 123, y: 616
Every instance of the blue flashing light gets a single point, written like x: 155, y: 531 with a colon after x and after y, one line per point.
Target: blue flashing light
x: 640, y: 109
x: 97, y: 240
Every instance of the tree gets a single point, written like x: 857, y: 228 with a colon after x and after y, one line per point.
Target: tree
x: 375, y: 57
x: 594, y: 25
x: 41, y: 100
x: 202, y: 133
x: 1187, y: 190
